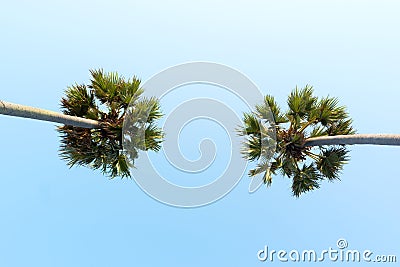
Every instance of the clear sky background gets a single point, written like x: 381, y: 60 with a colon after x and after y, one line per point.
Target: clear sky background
x: 55, y: 216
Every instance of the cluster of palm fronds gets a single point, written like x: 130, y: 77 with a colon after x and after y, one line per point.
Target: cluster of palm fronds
x: 308, y: 116
x: 107, y: 99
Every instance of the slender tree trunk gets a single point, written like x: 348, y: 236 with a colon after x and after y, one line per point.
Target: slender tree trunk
x: 16, y: 110
x: 356, y: 139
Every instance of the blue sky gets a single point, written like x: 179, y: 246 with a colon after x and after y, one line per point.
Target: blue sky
x: 55, y: 216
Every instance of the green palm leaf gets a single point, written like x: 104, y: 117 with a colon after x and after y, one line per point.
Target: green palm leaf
x: 331, y: 161
x: 305, y: 180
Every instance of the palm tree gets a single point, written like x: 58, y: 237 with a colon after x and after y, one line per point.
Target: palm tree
x: 311, y: 139
x: 93, y: 117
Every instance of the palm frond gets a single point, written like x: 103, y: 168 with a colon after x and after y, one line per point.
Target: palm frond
x: 79, y: 102
x: 318, y: 131
x: 270, y: 106
x: 305, y: 180
x: 341, y: 127
x: 251, y: 125
x: 327, y: 111
x: 331, y: 162
x: 301, y: 103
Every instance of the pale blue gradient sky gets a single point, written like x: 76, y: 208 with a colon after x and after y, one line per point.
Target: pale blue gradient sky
x: 53, y: 216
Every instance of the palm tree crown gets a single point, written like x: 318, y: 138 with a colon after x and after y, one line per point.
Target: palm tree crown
x: 107, y: 99
x: 307, y: 117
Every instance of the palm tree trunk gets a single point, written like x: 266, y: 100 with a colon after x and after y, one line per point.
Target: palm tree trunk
x: 16, y: 110
x: 355, y: 139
